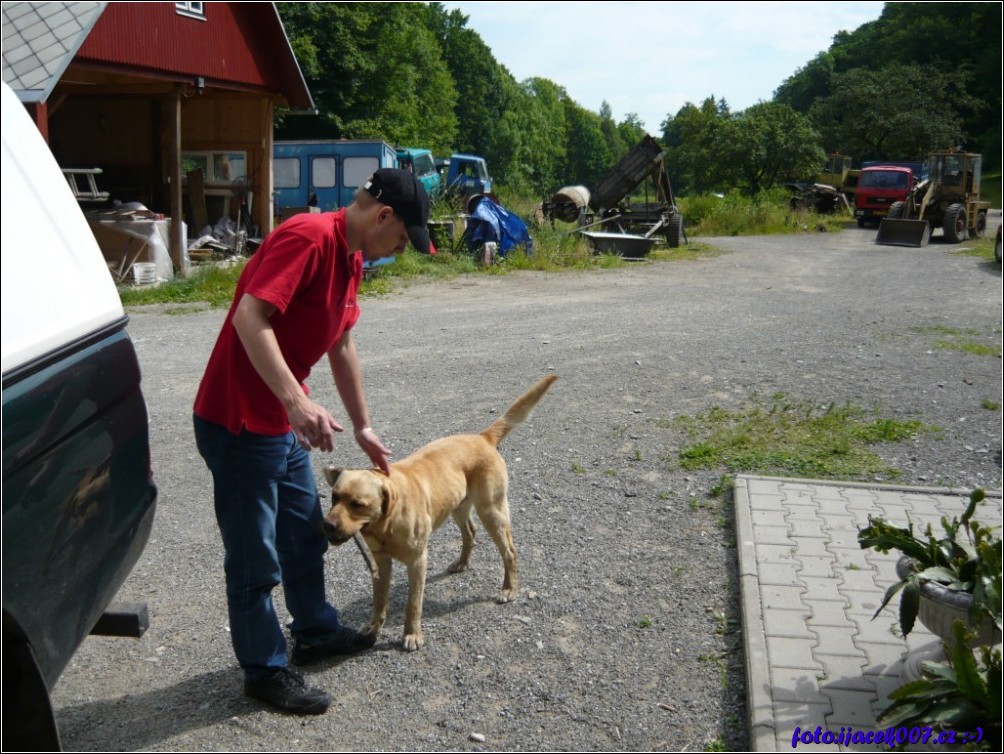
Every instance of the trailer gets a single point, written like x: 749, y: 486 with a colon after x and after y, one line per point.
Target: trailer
x: 605, y: 212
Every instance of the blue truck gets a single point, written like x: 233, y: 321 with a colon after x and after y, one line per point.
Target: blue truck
x: 422, y: 164
x: 325, y: 173
x: 468, y: 175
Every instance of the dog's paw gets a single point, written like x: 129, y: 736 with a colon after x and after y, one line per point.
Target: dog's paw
x: 413, y: 642
x: 506, y: 595
x: 457, y: 566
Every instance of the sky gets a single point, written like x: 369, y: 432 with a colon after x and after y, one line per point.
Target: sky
x: 652, y: 58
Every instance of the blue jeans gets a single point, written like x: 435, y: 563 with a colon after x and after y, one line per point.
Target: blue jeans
x: 270, y: 518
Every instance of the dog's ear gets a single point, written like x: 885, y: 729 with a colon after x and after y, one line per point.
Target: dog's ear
x: 384, y: 499
x: 332, y: 474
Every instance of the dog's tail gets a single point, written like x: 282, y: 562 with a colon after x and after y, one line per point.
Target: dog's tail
x: 517, y: 412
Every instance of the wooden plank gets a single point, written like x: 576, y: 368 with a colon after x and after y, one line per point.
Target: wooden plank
x: 197, y: 199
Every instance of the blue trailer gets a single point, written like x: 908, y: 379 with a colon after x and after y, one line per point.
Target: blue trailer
x: 325, y: 173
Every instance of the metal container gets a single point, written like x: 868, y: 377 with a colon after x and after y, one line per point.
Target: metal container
x: 567, y: 204
x: 622, y: 244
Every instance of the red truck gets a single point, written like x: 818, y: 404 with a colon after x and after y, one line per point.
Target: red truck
x: 878, y: 187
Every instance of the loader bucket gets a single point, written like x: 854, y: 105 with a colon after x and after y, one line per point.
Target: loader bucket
x: 896, y: 232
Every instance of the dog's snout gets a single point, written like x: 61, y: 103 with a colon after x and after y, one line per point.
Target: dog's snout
x: 333, y: 533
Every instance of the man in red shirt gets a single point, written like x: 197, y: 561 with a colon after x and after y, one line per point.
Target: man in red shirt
x: 255, y: 424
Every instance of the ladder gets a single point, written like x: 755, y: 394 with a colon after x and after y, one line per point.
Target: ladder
x: 83, y: 184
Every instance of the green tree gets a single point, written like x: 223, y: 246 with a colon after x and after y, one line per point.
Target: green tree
x: 375, y: 71
x: 807, y: 84
x: 611, y: 133
x: 587, y: 155
x: 544, y: 144
x: 958, y: 41
x: 901, y: 112
x: 632, y: 130
x: 695, y: 140
x: 769, y: 142
x: 486, y: 91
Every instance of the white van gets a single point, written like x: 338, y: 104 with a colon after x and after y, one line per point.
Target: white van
x: 78, y: 492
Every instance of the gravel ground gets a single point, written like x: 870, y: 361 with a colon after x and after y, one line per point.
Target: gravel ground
x: 626, y: 634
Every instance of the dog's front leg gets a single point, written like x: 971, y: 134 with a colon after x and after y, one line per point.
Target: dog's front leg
x: 413, y: 638
x: 381, y: 590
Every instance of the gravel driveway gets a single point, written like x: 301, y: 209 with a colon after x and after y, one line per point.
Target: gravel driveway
x: 626, y: 634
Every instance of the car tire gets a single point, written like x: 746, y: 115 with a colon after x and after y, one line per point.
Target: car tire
x: 28, y: 720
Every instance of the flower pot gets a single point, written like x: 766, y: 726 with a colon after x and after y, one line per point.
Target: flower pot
x: 940, y: 607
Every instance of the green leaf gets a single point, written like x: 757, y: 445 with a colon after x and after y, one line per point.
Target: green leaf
x: 970, y: 681
x: 909, y: 606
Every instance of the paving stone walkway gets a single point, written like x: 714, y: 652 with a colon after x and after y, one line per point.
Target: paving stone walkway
x: 814, y: 655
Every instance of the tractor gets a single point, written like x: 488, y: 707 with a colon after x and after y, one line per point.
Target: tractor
x: 832, y: 192
x: 949, y: 198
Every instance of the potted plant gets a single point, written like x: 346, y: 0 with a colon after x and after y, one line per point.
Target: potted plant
x: 961, y: 694
x: 955, y: 576
x: 959, y: 572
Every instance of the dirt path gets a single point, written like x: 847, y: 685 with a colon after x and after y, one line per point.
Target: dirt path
x: 626, y: 633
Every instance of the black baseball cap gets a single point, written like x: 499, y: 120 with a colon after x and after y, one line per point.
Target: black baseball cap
x: 405, y: 194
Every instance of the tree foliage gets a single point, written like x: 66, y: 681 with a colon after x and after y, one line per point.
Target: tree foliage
x: 711, y: 149
x: 922, y: 76
x: 902, y: 112
x: 414, y: 74
x: 942, y: 59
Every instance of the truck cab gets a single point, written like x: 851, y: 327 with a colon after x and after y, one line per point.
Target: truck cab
x: 879, y: 187
x: 468, y: 175
x: 422, y: 165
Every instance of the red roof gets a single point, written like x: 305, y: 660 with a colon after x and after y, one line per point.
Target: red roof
x: 233, y: 46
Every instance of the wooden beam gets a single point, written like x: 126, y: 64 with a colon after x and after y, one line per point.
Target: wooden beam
x: 265, y: 210
x: 171, y: 149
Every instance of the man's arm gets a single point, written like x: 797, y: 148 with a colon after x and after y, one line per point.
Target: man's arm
x: 348, y: 379
x: 311, y: 422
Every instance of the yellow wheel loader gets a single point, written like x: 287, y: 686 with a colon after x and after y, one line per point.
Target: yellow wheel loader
x: 948, y: 199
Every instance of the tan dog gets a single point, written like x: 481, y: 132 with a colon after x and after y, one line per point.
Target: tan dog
x: 397, y: 514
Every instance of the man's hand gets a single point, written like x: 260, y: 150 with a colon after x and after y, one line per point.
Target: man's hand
x: 313, y: 425
x: 375, y: 449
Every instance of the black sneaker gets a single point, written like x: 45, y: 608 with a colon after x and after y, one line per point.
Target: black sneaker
x: 345, y: 642
x: 289, y: 692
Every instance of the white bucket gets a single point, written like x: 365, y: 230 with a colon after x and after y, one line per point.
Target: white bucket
x: 144, y: 273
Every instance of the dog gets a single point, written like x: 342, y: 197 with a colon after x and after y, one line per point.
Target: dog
x: 397, y: 514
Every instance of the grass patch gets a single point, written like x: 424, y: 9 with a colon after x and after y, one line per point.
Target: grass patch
x: 212, y: 284
x: 556, y: 248
x: 736, y: 214
x: 791, y: 438
x: 979, y: 349
x: 982, y: 248
x: 954, y: 339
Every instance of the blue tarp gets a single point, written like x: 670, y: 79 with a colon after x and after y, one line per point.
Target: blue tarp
x: 492, y: 222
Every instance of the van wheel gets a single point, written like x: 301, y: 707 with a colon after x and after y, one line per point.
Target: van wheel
x: 954, y: 224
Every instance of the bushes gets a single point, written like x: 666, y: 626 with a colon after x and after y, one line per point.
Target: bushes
x: 735, y: 214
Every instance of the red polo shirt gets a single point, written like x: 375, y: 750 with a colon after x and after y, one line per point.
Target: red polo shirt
x: 306, y: 271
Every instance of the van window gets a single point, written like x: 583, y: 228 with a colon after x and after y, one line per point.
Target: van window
x: 286, y: 172
x: 357, y: 170
x: 323, y: 172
